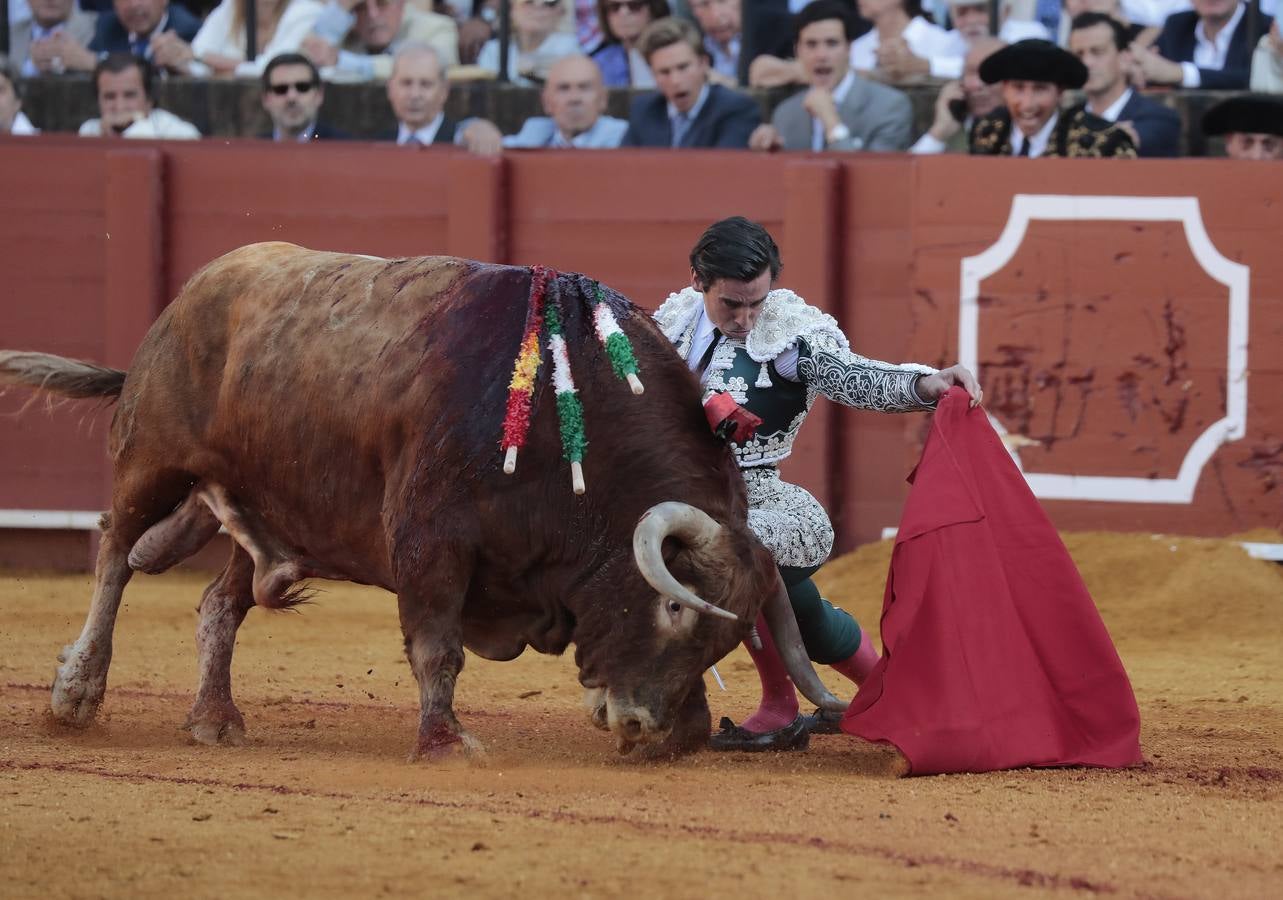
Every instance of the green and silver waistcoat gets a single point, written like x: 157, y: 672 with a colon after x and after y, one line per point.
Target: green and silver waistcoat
x: 786, y: 518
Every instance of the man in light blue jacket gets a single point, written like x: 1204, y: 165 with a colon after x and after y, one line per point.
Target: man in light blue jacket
x: 574, y: 99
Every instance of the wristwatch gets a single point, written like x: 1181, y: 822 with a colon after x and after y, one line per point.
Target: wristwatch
x: 837, y: 134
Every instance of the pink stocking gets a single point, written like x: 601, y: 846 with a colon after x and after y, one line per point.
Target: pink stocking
x: 779, y: 701
x: 859, y: 664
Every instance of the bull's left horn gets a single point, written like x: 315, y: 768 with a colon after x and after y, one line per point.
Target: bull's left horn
x: 680, y: 520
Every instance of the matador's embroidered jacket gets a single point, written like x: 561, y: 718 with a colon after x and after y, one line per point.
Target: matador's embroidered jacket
x: 794, y: 353
x: 1077, y: 133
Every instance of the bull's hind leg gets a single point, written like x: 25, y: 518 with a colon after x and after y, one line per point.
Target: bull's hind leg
x: 214, y: 717
x: 431, y: 612
x: 138, y: 502
x: 81, y: 680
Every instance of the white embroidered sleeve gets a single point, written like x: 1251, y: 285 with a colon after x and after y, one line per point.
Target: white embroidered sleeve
x: 854, y: 380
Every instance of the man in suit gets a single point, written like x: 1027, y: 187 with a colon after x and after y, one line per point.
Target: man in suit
x: 55, y: 40
x: 1252, y: 125
x: 1192, y: 50
x: 687, y: 111
x: 358, y: 37
x: 292, y: 96
x: 1101, y: 43
x: 417, y: 89
x: 129, y: 27
x: 840, y: 110
x: 1034, y: 75
x: 574, y: 99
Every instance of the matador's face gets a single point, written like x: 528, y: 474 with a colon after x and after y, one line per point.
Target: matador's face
x: 732, y: 305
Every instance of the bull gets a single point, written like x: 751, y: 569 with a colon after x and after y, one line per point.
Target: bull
x: 339, y: 415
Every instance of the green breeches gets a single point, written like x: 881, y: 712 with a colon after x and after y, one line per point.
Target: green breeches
x: 830, y: 634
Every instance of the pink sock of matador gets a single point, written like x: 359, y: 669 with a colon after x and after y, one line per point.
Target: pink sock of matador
x: 779, y: 700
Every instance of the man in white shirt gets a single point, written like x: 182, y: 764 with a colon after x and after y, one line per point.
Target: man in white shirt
x: 126, y: 108
x: 970, y: 19
x: 899, y: 31
x: 1205, y: 47
x: 353, y: 40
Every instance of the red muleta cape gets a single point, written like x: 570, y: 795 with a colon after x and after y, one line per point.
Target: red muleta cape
x: 994, y: 654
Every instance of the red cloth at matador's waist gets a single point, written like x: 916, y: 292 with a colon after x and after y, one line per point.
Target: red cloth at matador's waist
x: 994, y: 655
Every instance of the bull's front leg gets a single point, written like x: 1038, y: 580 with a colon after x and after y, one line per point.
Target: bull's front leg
x: 431, y: 613
x: 214, y: 717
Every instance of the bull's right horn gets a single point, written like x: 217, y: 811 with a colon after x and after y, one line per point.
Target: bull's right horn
x: 680, y: 520
x: 778, y: 613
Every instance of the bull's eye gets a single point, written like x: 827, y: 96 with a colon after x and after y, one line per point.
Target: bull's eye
x: 673, y: 618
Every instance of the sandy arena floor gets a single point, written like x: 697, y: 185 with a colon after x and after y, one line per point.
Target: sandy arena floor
x: 321, y: 801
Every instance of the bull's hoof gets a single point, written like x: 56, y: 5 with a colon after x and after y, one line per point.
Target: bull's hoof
x: 78, y: 688
x: 595, y: 705
x: 216, y: 723
x: 671, y: 748
x: 440, y: 748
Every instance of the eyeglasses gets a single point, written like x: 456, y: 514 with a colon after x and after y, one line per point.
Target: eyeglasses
x: 546, y: 3
x: 633, y: 6
x: 302, y: 87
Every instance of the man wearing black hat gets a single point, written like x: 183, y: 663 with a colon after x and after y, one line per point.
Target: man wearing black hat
x: 1252, y: 125
x: 1034, y: 76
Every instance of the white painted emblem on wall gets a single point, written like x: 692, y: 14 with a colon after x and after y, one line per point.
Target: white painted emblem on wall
x: 1026, y: 208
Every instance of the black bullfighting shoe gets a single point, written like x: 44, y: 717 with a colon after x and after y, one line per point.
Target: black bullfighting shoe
x: 793, y: 736
x: 823, y: 722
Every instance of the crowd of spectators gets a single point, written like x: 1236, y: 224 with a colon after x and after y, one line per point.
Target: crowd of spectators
x: 1078, y: 79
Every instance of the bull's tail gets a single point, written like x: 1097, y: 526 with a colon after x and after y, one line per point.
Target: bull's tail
x: 58, y: 375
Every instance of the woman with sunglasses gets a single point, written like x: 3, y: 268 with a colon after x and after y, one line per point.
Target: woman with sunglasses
x: 219, y: 46
x: 536, y: 43
x: 622, y: 22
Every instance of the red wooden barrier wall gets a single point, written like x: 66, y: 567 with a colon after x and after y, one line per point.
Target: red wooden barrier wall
x: 1104, y: 339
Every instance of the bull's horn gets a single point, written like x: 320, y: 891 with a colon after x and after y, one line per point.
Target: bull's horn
x: 778, y: 613
x: 683, y: 521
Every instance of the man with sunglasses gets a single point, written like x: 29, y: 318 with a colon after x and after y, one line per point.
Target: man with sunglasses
x: 292, y: 97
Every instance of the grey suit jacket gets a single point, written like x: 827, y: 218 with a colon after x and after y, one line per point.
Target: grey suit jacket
x: 81, y: 26
x: 880, y: 119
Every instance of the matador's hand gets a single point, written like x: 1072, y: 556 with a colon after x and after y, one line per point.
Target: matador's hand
x: 729, y: 421
x: 933, y: 387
